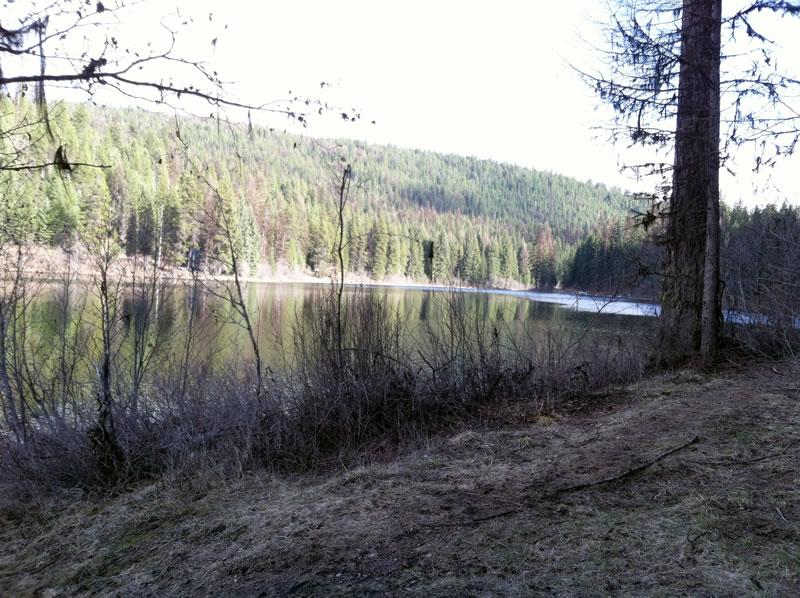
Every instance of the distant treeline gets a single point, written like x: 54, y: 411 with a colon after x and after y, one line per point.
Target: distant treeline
x: 416, y: 214
x: 760, y: 254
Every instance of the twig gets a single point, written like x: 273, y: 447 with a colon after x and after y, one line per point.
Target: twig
x: 628, y: 473
x: 625, y: 474
x: 474, y: 521
x: 744, y: 461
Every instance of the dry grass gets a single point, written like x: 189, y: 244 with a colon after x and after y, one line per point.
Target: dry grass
x: 473, y: 514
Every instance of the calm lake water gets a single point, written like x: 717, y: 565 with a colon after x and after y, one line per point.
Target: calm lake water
x: 280, y: 310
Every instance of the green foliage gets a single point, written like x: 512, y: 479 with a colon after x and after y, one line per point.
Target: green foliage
x: 486, y: 221
x: 379, y: 241
x: 415, y: 268
x: 62, y: 214
x: 473, y: 266
x: 442, y: 265
x: 20, y: 220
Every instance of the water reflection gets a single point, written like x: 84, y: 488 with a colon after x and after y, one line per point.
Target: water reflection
x: 278, y: 310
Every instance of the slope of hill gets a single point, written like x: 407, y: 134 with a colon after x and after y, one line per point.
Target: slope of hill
x: 614, y: 501
x: 489, y: 222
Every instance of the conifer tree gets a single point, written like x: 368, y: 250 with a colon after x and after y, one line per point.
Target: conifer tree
x: 441, y: 267
x: 380, y: 250
x: 415, y: 267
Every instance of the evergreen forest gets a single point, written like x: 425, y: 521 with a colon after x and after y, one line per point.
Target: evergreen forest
x: 413, y: 214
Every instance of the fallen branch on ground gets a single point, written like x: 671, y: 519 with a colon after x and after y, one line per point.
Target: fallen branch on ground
x: 476, y: 520
x: 627, y: 473
x: 516, y: 511
x: 745, y: 461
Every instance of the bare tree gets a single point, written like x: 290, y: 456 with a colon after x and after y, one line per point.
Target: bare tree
x: 83, y: 46
x: 13, y: 298
x: 104, y: 250
x: 87, y: 47
x: 145, y: 292
x: 235, y: 292
x: 343, y: 197
x: 222, y: 216
x: 71, y: 336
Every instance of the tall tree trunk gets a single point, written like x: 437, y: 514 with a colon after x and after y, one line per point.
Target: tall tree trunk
x: 694, y: 204
x: 712, y: 316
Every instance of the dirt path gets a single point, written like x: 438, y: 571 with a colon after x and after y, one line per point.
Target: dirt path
x: 481, y: 513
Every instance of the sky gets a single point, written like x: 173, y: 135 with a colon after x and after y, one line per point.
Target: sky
x: 490, y: 79
x: 487, y: 79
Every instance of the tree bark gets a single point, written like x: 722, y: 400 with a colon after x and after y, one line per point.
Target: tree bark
x: 712, y: 315
x: 694, y: 203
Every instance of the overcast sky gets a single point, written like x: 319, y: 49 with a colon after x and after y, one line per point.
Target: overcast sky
x: 484, y: 78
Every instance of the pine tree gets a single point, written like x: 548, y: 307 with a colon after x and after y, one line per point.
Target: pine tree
x: 397, y: 253
x: 441, y: 266
x: 294, y: 255
x: 493, y: 269
x: 380, y: 250
x: 508, y: 260
x: 415, y: 267
x: 473, y: 264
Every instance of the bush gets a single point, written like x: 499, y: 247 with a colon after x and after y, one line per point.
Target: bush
x: 336, y: 402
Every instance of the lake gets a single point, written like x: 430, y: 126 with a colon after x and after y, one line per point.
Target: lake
x: 280, y: 311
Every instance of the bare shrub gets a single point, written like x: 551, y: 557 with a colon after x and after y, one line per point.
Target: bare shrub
x: 356, y: 383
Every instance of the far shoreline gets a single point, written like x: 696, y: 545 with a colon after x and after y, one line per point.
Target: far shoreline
x: 50, y: 265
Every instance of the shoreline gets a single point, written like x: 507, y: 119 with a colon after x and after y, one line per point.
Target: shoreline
x: 50, y: 265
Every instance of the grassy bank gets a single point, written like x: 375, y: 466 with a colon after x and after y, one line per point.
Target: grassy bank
x: 518, y: 507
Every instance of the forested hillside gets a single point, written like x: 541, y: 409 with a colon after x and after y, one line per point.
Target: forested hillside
x: 417, y: 214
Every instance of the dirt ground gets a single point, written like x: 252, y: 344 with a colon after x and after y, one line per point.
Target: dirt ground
x: 481, y: 513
